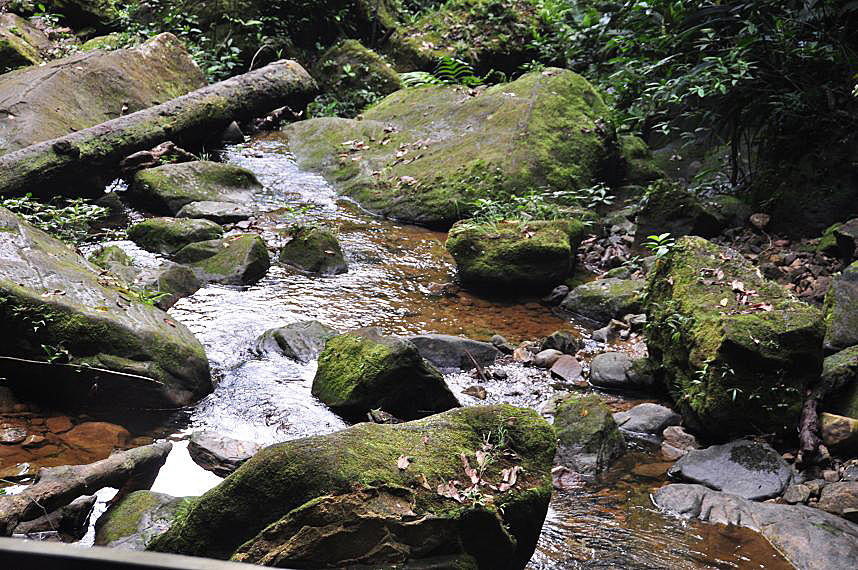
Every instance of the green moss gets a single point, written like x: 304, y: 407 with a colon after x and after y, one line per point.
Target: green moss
x: 828, y: 242
x: 244, y: 260
x: 169, y: 235
x: 641, y: 167
x: 108, y: 42
x: 734, y: 367
x: 104, y: 256
x: 314, y: 249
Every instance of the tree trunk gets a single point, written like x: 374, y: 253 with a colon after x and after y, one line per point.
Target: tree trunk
x: 56, y: 487
x: 81, y: 163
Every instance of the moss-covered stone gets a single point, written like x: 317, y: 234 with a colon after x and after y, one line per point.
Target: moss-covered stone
x: 314, y: 249
x: 101, y: 82
x: 841, y: 310
x: 737, y: 350
x: 51, y: 297
x: 828, y: 241
x: 605, y: 299
x: 166, y: 189
x: 364, y: 370
x: 107, y: 43
x: 104, y: 256
x: 243, y: 261
x: 588, y: 439
x: 514, y: 254
x: 281, y: 483
x: 641, y: 167
x: 169, y: 235
x: 20, y: 43
x: 138, y: 518
x: 424, y: 155
x: 838, y: 386
x: 354, y: 76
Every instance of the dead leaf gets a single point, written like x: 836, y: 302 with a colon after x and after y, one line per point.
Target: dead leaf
x: 424, y: 483
x: 482, y: 456
x: 450, y: 491
x: 724, y: 302
x: 403, y: 462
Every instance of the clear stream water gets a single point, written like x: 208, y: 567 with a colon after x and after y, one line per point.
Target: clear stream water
x: 394, y: 281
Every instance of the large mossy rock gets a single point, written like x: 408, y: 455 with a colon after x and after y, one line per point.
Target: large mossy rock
x: 243, y: 260
x: 640, y: 166
x: 20, y: 43
x: 604, y: 299
x: 314, y: 249
x: 138, y: 518
x: 423, y: 155
x: 841, y: 310
x: 363, y: 370
x: 588, y: 439
x: 86, y: 89
x: 166, y: 189
x: 838, y: 386
x: 319, y: 483
x: 514, y: 255
x: 736, y: 362
x: 51, y: 297
x: 169, y: 235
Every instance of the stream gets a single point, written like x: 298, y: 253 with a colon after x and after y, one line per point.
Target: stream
x: 395, y: 278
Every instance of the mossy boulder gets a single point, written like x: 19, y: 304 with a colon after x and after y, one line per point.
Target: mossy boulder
x: 51, y: 297
x: 218, y: 212
x: 314, y: 249
x: 424, y: 155
x: 363, y: 370
x: 737, y: 350
x: 166, y: 189
x: 828, y: 241
x: 243, y: 260
x: 248, y: 516
x: 588, y: 439
x: 841, y: 310
x: 100, y: 82
x: 354, y: 76
x: 514, y: 254
x: 604, y: 299
x: 138, y: 518
x: 640, y: 166
x: 169, y: 235
x: 838, y: 386
x: 109, y: 255
x: 109, y: 42
x: 20, y: 43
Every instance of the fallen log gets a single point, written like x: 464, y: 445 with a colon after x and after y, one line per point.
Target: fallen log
x: 81, y: 163
x: 56, y: 487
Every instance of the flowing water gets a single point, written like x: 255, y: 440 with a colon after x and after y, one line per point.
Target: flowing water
x: 395, y: 282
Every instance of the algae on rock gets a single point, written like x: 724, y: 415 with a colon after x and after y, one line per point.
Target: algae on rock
x: 737, y: 350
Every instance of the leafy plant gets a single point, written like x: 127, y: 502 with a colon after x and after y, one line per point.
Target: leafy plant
x: 448, y: 71
x: 660, y: 245
x: 148, y: 297
x: 68, y: 220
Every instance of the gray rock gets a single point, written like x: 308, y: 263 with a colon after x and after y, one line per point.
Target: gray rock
x: 71, y: 520
x: 809, y: 538
x: 849, y: 470
x: 567, y: 368
x: 676, y: 442
x: 501, y: 344
x: 314, y: 249
x: 605, y: 299
x: 302, y: 341
x: 588, y: 440
x: 448, y: 351
x: 619, y: 371
x: 220, y: 212
x: 745, y: 468
x: 172, y: 280
x: 556, y: 296
x: 243, y: 261
x: 218, y: 453
x: 199, y: 250
x: 564, y: 341
x: 546, y: 358
x: 840, y: 498
x: 138, y: 518
x: 647, y: 419
x: 841, y: 314
x: 157, y: 362
x: 169, y: 235
x: 796, y: 494
x: 846, y: 236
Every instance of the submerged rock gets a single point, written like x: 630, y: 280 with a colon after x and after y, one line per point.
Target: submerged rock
x: 514, y: 255
x: 243, y: 260
x: 588, y: 439
x: 809, y: 538
x: 439, y: 147
x: 166, y: 189
x: 745, y: 468
x: 302, y: 341
x: 120, y: 351
x: 137, y: 519
x: 363, y: 370
x: 314, y: 249
x: 169, y: 235
x: 380, y: 495
x: 218, y: 453
x: 737, y: 349
x: 605, y: 299
x: 448, y: 351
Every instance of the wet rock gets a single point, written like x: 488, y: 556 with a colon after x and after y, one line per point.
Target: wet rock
x: 647, y: 419
x: 97, y: 325
x: 567, y: 368
x: 96, y: 439
x: 218, y: 453
x: 676, y: 442
x: 546, y: 358
x: 102, y: 83
x: 363, y: 370
x: 510, y: 128
x: 448, y: 351
x: 635, y: 322
x: 200, y: 250
x: 701, y: 310
x: 809, y: 538
x: 219, y: 212
x: 556, y: 296
x: 564, y: 341
x: 651, y: 470
x: 604, y: 299
x: 137, y: 519
x: 839, y: 432
x: 619, y: 371
x: 372, y: 477
x: 512, y: 256
x: 302, y: 341
x: 588, y: 439
x: 841, y: 498
x: 231, y: 134
x: 71, y: 521
x: 841, y: 310
x: 796, y: 494
x: 169, y: 235
x: 12, y: 434
x: 849, y: 470
x: 838, y: 386
x: 745, y: 468
x: 59, y: 424
x: 166, y: 189
x: 243, y: 261
x: 501, y: 344
x: 167, y: 283
x: 314, y: 249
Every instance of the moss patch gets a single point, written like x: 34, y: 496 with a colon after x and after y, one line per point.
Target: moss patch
x: 169, y: 235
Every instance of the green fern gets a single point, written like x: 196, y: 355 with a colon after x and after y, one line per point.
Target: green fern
x: 448, y: 71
